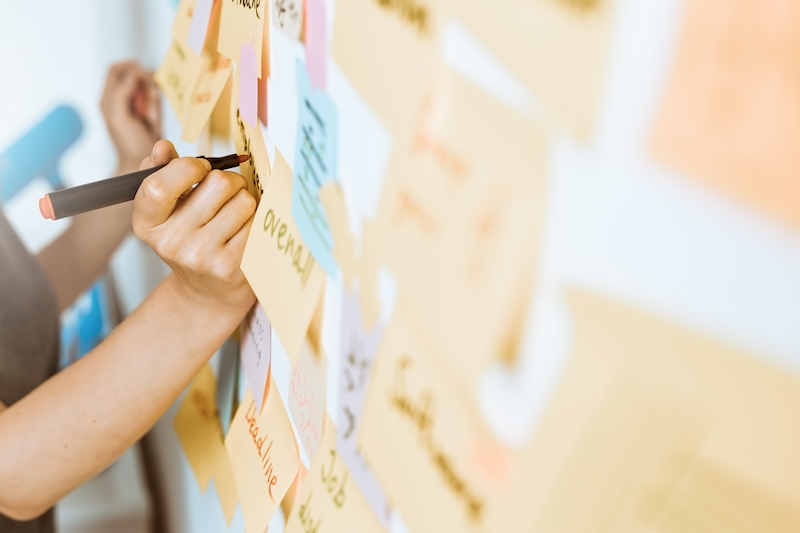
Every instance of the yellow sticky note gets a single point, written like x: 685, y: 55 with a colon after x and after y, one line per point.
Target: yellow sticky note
x: 280, y: 269
x: 329, y: 499
x: 439, y: 464
x: 656, y: 428
x: 226, y: 485
x: 385, y: 49
x: 558, y: 48
x: 344, y: 248
x: 220, y: 121
x: 215, y: 70
x: 731, y: 110
x: 242, y: 22
x: 183, y: 20
x: 177, y: 76
x: 250, y: 141
x: 198, y: 427
x: 263, y: 458
x: 461, y: 219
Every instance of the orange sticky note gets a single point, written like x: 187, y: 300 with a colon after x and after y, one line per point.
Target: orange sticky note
x: 263, y: 458
x: 731, y: 110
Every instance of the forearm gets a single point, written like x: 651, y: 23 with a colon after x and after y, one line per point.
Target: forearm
x: 77, y: 258
x: 78, y: 422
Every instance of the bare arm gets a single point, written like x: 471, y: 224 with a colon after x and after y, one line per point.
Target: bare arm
x: 77, y: 258
x: 78, y: 422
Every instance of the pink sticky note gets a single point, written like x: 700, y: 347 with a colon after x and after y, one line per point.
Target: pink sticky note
x: 248, y: 84
x: 256, y: 351
x: 199, y: 25
x: 316, y: 42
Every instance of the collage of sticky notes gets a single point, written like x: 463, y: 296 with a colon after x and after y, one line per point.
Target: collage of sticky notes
x: 642, y: 423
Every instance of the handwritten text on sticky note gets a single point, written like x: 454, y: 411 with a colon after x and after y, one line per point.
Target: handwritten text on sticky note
x: 315, y: 165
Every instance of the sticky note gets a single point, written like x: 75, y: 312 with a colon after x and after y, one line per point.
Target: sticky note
x: 316, y: 38
x: 214, y: 72
x: 242, y: 22
x: 278, y: 265
x: 197, y: 426
x: 558, y: 48
x: 263, y: 458
x: 370, y: 36
x: 199, y: 25
x: 359, y: 348
x: 329, y: 500
x: 177, y: 76
x: 220, y: 122
x: 344, y: 247
x: 730, y: 117
x: 686, y: 433
x: 256, y: 351
x: 307, y: 397
x: 473, y: 207
x: 248, y: 85
x: 249, y: 140
x: 225, y: 485
x: 316, y: 153
x: 287, y: 16
x: 427, y: 444
x: 182, y: 22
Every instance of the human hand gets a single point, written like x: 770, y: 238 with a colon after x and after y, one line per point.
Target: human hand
x: 132, y: 110
x: 200, y: 233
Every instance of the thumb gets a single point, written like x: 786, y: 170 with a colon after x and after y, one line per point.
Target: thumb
x: 163, y: 152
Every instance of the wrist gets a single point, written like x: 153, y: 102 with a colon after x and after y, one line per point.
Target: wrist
x: 229, y: 310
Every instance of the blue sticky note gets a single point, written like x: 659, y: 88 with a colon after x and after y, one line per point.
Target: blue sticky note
x: 315, y: 164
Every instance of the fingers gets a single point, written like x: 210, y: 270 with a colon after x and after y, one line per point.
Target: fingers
x: 163, y: 152
x: 211, y: 194
x: 159, y: 193
x: 233, y: 217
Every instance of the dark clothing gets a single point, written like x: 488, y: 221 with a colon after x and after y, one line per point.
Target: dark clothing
x: 29, y: 335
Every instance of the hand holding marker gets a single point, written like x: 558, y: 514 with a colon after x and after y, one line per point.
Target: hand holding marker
x: 83, y: 198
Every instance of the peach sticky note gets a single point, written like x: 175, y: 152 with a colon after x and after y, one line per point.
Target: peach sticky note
x: 385, y: 49
x: 329, y: 500
x: 473, y: 206
x: 263, y: 458
x: 730, y: 116
x: 307, y: 397
x: 656, y: 428
x: 242, y: 22
x: 316, y: 37
x: 428, y: 445
x: 255, y: 335
x: 558, y: 48
x: 248, y: 85
x: 278, y: 265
